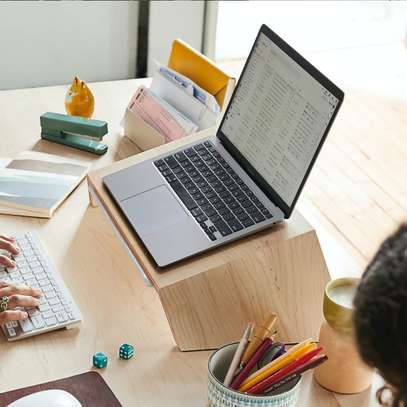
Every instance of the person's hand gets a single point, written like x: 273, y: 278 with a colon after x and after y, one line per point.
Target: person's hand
x: 18, y: 296
x: 8, y: 243
x: 14, y: 296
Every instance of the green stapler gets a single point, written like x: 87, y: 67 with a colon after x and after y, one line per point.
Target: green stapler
x: 74, y: 131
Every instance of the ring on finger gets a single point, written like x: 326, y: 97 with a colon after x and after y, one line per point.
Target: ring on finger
x: 4, y: 303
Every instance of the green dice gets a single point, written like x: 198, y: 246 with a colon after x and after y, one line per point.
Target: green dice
x: 126, y: 351
x: 99, y: 360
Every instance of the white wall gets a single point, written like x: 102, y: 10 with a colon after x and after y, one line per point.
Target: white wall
x: 48, y: 43
x: 170, y: 20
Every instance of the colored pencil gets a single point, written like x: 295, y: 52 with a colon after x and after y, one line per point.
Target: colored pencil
x: 238, y: 355
x: 292, y: 354
x: 270, y: 380
x: 238, y: 380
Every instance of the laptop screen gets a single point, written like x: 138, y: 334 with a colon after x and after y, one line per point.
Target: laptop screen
x: 278, y: 117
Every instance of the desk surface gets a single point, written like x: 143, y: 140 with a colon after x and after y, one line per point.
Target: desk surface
x: 116, y: 304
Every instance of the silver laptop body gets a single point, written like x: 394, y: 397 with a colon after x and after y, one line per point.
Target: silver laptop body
x: 245, y: 178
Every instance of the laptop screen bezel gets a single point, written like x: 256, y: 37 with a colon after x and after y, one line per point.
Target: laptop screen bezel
x: 238, y: 156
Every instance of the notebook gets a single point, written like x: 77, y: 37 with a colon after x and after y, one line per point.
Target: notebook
x: 35, y: 184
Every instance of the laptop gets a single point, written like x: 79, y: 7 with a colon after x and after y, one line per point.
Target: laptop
x: 246, y: 177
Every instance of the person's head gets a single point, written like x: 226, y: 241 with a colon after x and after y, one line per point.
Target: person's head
x: 380, y: 316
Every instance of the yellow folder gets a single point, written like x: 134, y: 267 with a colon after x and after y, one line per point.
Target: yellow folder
x: 202, y: 71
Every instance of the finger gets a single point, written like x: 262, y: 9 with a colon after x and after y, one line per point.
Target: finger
x: 18, y: 300
x: 11, y: 315
x: 7, y: 261
x: 10, y: 247
x: 11, y: 239
x: 11, y: 289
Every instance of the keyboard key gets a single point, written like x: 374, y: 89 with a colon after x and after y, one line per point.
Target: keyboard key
x: 190, y: 152
x: 47, y: 314
x: 51, y: 321
x: 196, y: 212
x: 31, y: 282
x: 201, y: 201
x: 57, y: 308
x: 171, y: 178
x: 266, y: 212
x: 247, y: 222
x: 222, y: 227
x: 210, y: 212
x: 181, y: 157
x: 229, y: 199
x: 238, y: 210
x: 219, y: 205
x: 201, y: 218
x: 257, y: 217
x: 215, y: 218
x: 246, y: 204
x: 235, y: 225
x: 171, y: 161
x: 44, y: 307
x: 53, y: 301
x: 158, y: 163
x: 26, y: 325
x: 251, y: 209
x: 47, y: 288
x: 211, y: 236
x: 38, y: 322
x: 183, y: 195
x: 228, y: 216
x: 32, y: 312
x: 11, y: 332
x: 44, y: 283
x: 41, y: 276
x: 224, y: 211
x: 199, y: 147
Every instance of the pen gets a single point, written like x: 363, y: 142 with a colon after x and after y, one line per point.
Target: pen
x: 294, y: 353
x: 238, y: 380
x: 312, y: 364
x: 238, y: 354
x: 261, y: 332
x: 267, y: 382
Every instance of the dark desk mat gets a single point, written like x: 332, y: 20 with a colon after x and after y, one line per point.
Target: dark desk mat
x: 89, y: 388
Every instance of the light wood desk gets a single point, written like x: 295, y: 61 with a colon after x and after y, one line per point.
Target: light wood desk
x: 116, y: 304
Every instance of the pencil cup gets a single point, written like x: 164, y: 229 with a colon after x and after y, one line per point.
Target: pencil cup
x: 221, y: 396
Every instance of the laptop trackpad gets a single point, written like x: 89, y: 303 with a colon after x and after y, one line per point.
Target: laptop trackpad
x: 153, y: 210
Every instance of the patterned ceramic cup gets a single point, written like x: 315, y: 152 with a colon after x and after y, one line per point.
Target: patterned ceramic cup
x: 221, y: 396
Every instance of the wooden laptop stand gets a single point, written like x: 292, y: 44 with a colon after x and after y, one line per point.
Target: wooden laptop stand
x: 209, y: 299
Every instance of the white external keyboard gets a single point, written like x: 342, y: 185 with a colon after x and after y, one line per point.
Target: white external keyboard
x: 35, y: 269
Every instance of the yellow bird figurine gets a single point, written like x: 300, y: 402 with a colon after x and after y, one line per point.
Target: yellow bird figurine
x: 79, y: 100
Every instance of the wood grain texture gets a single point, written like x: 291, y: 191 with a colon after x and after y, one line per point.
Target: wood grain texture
x: 99, y: 273
x: 286, y: 277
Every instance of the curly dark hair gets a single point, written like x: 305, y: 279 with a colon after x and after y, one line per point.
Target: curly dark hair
x: 380, y: 316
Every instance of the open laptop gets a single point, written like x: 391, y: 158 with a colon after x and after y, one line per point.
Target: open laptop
x: 245, y: 178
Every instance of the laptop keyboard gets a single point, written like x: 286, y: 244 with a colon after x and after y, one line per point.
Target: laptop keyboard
x: 216, y: 196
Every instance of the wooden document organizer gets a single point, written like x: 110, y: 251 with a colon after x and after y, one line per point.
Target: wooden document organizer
x: 209, y: 299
